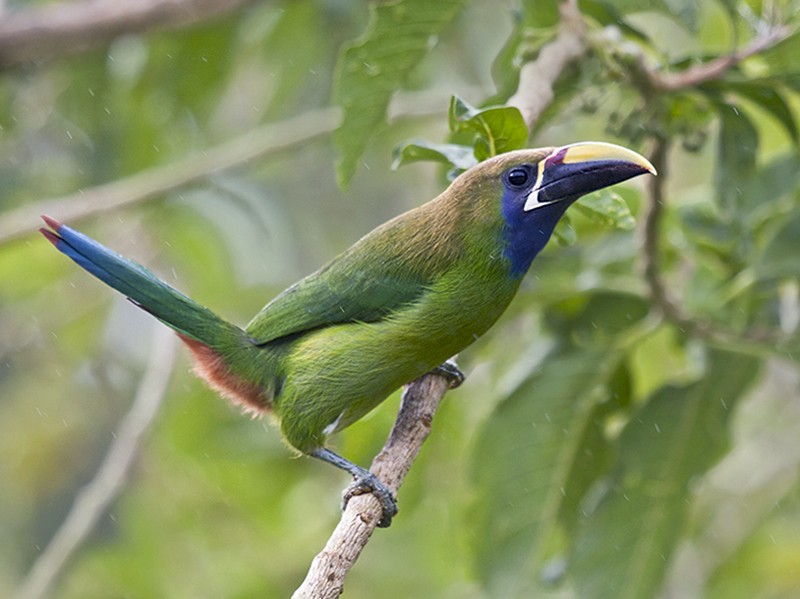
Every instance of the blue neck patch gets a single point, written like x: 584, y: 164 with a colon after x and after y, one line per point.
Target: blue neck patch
x: 526, y: 233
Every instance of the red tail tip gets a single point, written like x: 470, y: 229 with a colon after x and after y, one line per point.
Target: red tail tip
x: 51, y: 222
x: 50, y: 236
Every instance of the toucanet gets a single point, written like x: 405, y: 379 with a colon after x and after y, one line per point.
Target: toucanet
x: 397, y: 304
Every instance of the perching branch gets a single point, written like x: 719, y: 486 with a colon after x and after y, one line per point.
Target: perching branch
x: 538, y: 77
x: 62, y: 29
x: 325, y: 578
x: 94, y: 499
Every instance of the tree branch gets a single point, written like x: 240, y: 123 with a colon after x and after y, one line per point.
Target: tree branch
x: 537, y: 77
x: 267, y: 140
x: 651, y: 256
x: 715, y: 69
x: 650, y: 82
x: 651, y: 269
x: 92, y: 502
x: 62, y: 29
x: 325, y: 578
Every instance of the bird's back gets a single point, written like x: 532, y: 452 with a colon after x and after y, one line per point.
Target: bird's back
x: 409, y: 295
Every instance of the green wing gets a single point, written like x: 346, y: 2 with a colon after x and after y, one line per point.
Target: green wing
x: 389, y: 268
x: 336, y: 294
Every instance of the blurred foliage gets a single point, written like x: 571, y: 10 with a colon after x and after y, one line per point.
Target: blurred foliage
x: 600, y: 447
x: 373, y: 67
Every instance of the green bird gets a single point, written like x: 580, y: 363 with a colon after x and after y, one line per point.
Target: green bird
x: 397, y: 304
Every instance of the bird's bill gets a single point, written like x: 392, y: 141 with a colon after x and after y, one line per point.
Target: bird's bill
x: 577, y: 169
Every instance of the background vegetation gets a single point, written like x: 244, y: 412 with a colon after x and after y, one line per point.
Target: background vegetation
x: 629, y: 429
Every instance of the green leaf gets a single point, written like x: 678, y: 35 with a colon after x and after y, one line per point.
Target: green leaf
x: 736, y: 158
x: 289, y: 61
x: 607, y: 207
x: 564, y: 234
x: 456, y: 155
x: 505, y: 67
x: 498, y: 129
x: 593, y: 458
x: 752, y: 194
x: 525, y: 459
x: 781, y: 256
x: 683, y: 11
x: 773, y: 102
x: 762, y: 196
x: 534, y: 26
x: 608, y: 15
x: 460, y: 111
x: 771, y: 186
x: 598, y: 318
x: 704, y: 228
x: 621, y: 387
x: 540, y: 13
x: 374, y: 66
x: 781, y: 60
x: 625, y: 543
x: 763, y: 93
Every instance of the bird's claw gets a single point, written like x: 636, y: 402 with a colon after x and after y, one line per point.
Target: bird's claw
x: 370, y: 483
x: 451, y: 372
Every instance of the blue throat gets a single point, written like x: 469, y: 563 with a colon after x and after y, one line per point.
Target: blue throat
x: 526, y: 233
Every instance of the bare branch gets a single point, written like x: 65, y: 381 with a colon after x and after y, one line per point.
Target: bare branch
x: 651, y: 269
x: 266, y: 140
x: 537, y: 77
x: 325, y: 578
x: 61, y: 29
x: 649, y: 83
x: 651, y: 256
x: 111, y: 477
x: 716, y: 68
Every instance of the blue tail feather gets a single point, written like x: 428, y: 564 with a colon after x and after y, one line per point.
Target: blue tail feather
x: 140, y: 285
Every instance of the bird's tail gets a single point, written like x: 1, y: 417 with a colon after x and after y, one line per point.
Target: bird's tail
x: 224, y: 354
x: 141, y: 286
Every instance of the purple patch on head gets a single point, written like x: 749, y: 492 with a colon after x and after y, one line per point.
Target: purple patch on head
x: 557, y: 158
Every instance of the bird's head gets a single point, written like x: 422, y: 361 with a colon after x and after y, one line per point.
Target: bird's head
x: 538, y: 185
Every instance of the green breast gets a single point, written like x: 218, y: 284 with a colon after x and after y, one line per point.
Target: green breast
x: 449, y: 281
x: 339, y: 373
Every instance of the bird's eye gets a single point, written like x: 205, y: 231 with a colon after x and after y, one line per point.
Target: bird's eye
x: 518, y: 177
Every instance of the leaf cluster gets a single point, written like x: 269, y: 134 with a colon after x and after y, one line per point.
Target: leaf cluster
x: 610, y: 441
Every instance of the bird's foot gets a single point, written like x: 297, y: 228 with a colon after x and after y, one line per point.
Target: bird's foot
x: 451, y: 372
x: 364, y: 482
x: 369, y: 483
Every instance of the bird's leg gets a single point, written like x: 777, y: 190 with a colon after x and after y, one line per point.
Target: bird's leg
x: 364, y: 482
x: 451, y: 372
